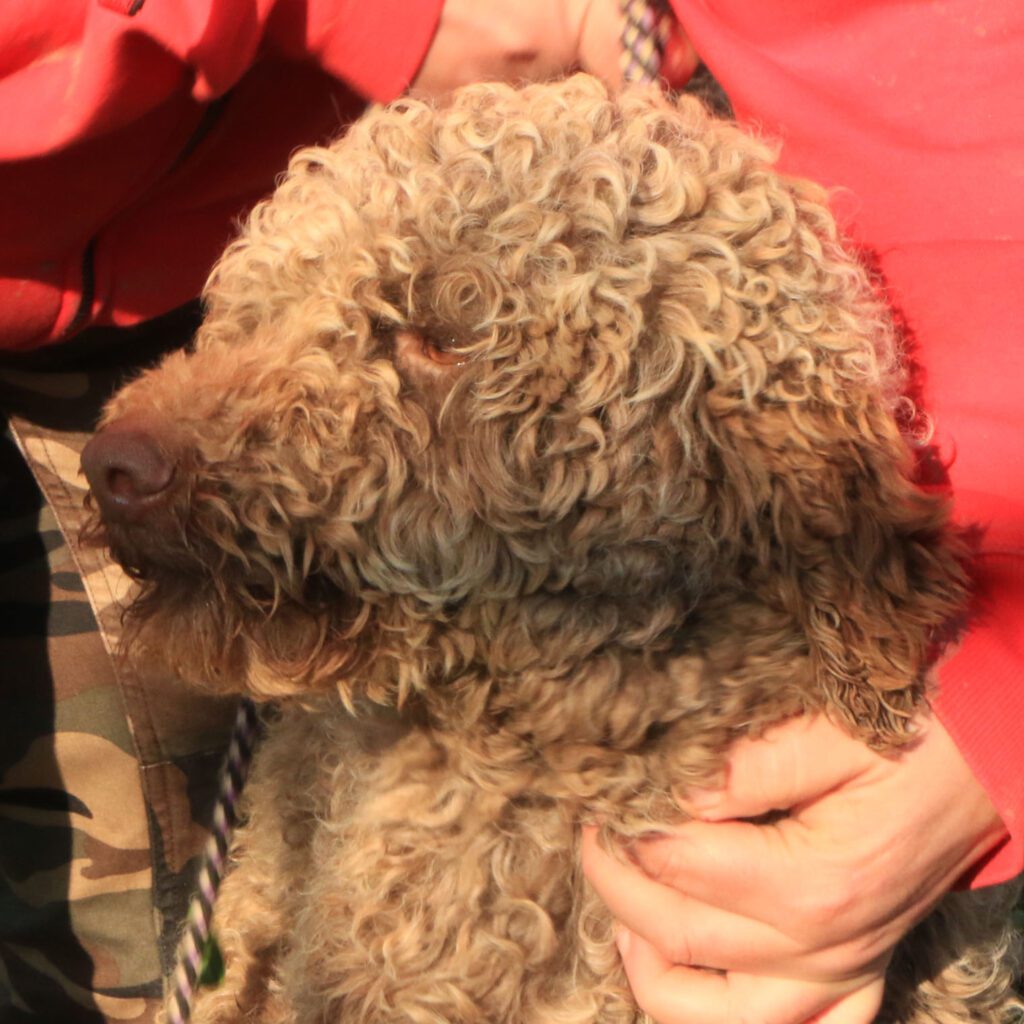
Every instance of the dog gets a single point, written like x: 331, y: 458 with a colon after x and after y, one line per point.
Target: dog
x: 533, y: 449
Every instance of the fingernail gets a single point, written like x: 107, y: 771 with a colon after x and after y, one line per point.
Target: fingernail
x: 622, y: 939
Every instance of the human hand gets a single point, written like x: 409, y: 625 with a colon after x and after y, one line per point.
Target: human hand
x: 511, y: 40
x: 800, y: 915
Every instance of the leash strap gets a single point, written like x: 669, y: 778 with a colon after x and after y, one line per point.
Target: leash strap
x: 644, y: 35
x: 197, y: 949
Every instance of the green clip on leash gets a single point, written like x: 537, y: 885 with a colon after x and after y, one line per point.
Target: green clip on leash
x: 646, y: 31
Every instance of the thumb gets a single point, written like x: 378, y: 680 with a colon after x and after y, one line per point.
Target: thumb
x: 859, y: 1007
x: 791, y: 765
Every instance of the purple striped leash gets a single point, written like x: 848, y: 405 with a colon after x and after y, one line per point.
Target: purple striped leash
x: 197, y: 948
x: 644, y: 35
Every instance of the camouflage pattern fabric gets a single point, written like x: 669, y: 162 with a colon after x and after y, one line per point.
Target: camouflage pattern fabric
x: 106, y: 779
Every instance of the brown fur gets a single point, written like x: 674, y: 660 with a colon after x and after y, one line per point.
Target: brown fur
x: 532, y: 450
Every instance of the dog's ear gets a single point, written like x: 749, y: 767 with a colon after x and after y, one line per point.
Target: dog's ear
x: 864, y: 561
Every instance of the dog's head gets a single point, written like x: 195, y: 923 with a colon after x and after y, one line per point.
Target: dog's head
x: 520, y: 378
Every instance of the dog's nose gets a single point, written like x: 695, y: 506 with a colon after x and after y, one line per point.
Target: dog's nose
x: 129, y: 471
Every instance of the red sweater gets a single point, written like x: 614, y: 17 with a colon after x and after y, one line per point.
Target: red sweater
x: 915, y: 113
x: 124, y: 160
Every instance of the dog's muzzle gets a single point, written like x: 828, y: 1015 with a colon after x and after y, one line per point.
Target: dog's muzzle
x: 130, y: 470
x: 139, y: 484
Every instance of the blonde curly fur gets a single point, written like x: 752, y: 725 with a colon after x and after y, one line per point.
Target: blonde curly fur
x: 532, y: 449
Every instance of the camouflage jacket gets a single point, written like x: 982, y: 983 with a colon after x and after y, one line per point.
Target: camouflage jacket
x: 106, y: 779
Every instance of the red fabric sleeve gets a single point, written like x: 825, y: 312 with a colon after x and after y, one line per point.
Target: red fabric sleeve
x: 913, y: 113
x: 82, y: 68
x: 110, y: 142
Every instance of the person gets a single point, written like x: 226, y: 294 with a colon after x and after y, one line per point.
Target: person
x: 911, y: 113
x: 132, y: 134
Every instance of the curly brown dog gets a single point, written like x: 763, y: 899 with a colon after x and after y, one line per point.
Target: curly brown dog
x: 533, y: 449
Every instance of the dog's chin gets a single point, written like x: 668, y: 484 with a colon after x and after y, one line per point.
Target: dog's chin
x: 236, y: 638
x: 176, y: 627
x: 147, y: 552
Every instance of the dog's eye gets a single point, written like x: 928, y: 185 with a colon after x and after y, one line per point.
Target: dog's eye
x: 443, y: 353
x: 434, y: 347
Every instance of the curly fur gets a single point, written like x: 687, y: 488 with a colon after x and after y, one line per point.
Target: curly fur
x: 532, y: 449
